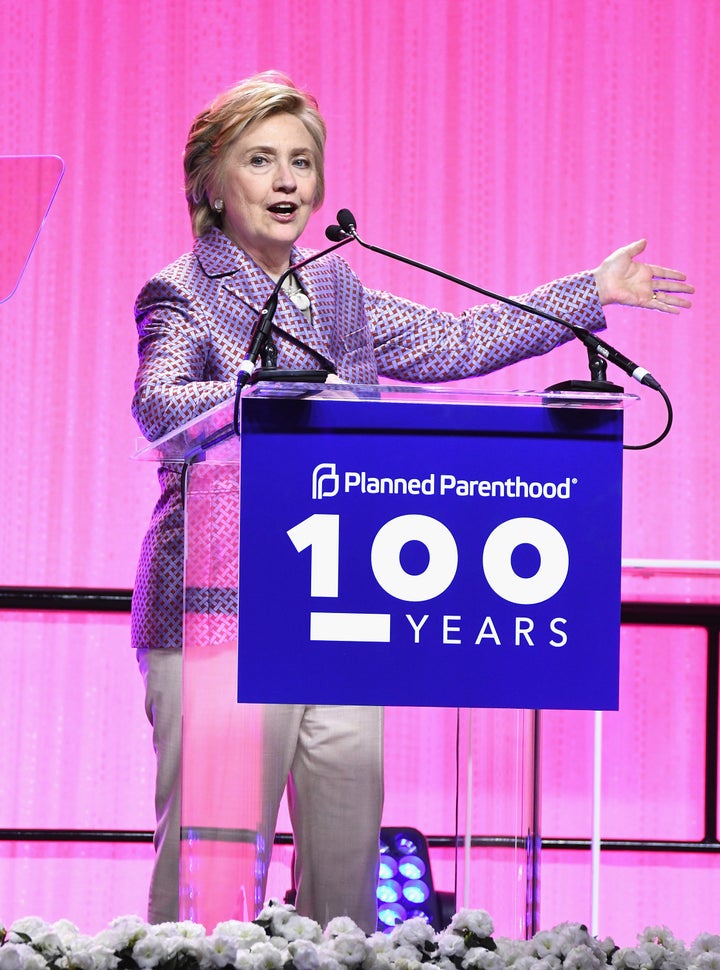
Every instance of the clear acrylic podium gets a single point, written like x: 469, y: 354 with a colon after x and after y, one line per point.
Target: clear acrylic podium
x: 29, y: 184
x: 464, y: 529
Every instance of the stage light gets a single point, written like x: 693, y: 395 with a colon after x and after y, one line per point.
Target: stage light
x: 388, y: 891
x: 416, y: 891
x: 390, y: 914
x: 412, y: 867
x: 388, y: 867
x: 405, y: 886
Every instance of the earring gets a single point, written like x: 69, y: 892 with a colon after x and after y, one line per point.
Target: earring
x: 218, y: 205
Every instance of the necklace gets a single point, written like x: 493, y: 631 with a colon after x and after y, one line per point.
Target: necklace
x: 294, y: 291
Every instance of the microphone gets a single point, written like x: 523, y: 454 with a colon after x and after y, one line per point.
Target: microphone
x: 347, y: 229
x: 261, y: 333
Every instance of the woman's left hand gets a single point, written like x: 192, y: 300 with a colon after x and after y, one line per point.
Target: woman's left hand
x: 622, y: 279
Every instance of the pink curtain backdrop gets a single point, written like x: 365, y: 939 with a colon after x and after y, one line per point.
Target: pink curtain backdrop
x: 507, y: 142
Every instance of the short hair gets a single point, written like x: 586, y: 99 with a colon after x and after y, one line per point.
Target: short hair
x: 216, y: 128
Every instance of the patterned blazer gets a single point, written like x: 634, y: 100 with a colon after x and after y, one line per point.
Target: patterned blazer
x: 195, y: 320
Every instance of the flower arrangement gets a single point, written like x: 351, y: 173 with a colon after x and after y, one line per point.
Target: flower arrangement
x: 281, y: 939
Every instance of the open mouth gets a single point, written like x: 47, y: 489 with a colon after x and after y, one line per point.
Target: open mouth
x: 283, y: 208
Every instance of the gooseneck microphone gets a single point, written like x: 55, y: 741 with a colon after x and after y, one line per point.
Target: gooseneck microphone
x: 262, y: 329
x: 347, y: 228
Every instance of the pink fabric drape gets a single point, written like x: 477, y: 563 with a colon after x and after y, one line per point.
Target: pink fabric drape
x: 506, y: 142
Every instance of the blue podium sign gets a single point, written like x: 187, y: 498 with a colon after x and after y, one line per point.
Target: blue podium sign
x: 429, y: 554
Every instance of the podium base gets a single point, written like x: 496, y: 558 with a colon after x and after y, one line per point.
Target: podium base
x: 296, y: 376
x: 599, y: 387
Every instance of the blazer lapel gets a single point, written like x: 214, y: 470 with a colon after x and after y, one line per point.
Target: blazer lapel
x: 246, y: 282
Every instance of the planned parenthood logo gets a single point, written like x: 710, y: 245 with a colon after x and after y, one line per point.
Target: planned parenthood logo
x: 325, y: 480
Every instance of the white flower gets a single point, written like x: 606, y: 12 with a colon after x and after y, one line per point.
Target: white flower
x: 242, y: 934
x: 513, y: 952
x: 658, y: 934
x: 301, y: 928
x: 304, y: 955
x: 49, y: 944
x: 79, y: 958
x: 117, y: 940
x: 279, y: 942
x: 526, y: 962
x: 569, y: 935
x: 582, y: 957
x: 378, y: 950
x: 275, y: 914
x: 149, y: 951
x: 20, y: 956
x: 633, y: 958
x: 545, y: 943
x: 104, y: 957
x: 243, y: 960
x: 282, y: 937
x: 221, y: 949
x: 265, y: 956
x: 327, y: 959
x: 11, y: 956
x: 450, y: 945
x: 32, y: 929
x: 405, y: 957
x: 129, y: 924
x: 607, y: 947
x: 350, y: 950
x: 482, y: 959
x: 550, y: 962
x: 662, y: 957
x: 66, y: 931
x: 705, y: 943
x: 708, y: 960
x: 340, y: 926
x: 233, y: 928
x: 185, y: 929
x: 31, y: 926
x: 413, y: 932
x: 379, y: 943
x: 122, y: 933
x: 192, y: 946
x: 475, y: 921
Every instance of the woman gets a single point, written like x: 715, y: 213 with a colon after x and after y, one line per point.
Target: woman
x: 254, y: 174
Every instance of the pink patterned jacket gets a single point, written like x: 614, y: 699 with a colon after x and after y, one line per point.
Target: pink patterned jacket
x: 194, y: 324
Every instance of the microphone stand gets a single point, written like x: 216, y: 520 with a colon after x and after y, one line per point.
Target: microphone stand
x: 599, y: 352
x: 261, y: 334
x: 261, y: 338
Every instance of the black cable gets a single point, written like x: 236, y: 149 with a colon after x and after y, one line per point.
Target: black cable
x: 664, y: 433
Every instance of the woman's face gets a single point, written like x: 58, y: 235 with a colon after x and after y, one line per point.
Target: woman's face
x: 269, y: 181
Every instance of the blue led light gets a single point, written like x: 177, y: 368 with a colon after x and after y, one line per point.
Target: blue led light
x: 405, y: 888
x: 406, y: 845
x: 389, y: 891
x: 412, y: 867
x: 391, y: 914
x: 419, y: 914
x: 416, y: 891
x: 388, y: 867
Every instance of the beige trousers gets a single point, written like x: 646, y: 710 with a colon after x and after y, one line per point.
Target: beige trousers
x: 330, y: 758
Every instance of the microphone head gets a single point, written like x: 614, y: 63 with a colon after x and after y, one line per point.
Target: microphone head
x: 335, y: 233
x: 347, y: 221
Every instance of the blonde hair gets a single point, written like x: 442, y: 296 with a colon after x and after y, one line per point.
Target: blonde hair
x: 216, y: 128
